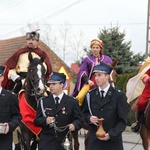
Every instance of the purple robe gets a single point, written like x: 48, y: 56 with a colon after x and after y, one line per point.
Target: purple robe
x: 86, y: 69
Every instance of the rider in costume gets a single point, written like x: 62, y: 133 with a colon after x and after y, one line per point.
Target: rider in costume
x: 85, y: 73
x: 142, y: 101
x: 17, y: 64
x: 138, y: 87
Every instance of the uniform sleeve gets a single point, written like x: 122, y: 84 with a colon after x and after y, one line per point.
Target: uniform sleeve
x: 85, y: 110
x: 15, y: 113
x: 122, y: 117
x: 77, y: 117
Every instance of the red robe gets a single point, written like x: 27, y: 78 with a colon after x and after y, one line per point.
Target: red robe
x: 12, y: 62
x: 143, y: 99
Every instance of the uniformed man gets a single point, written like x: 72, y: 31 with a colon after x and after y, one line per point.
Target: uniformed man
x: 109, y: 104
x: 17, y: 64
x: 10, y: 116
x: 58, y: 115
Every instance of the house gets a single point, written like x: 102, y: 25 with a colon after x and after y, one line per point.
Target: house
x: 9, y: 46
x: 75, y: 67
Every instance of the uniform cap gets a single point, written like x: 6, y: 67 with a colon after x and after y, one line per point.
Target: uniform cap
x: 2, y: 70
x: 102, y: 67
x: 56, y: 77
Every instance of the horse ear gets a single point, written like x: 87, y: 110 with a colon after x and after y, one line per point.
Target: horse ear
x: 114, y: 63
x: 30, y: 57
x: 43, y: 57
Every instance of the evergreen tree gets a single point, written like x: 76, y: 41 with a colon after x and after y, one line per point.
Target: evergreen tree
x: 116, y: 47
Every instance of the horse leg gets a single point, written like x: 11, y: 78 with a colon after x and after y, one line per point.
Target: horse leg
x: 144, y: 136
x: 26, y: 142
x: 34, y: 145
x: 86, y: 140
x: 148, y: 138
x: 16, y: 139
x: 76, y: 141
x: 35, y: 142
x: 25, y: 138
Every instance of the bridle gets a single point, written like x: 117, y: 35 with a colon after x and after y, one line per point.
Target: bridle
x: 33, y: 90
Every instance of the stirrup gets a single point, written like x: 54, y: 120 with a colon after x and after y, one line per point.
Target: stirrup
x: 135, y: 127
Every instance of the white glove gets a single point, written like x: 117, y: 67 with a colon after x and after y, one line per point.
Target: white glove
x: 14, y: 77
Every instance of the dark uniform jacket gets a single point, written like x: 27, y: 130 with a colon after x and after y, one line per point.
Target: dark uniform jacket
x: 113, y: 109
x: 9, y: 112
x: 68, y: 112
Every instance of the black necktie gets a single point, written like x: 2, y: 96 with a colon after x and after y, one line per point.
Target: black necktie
x: 102, y: 94
x: 57, y: 102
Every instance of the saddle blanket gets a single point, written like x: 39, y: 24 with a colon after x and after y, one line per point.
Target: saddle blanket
x: 28, y: 114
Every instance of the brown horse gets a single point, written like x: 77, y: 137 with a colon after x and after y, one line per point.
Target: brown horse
x: 113, y: 77
x: 145, y: 128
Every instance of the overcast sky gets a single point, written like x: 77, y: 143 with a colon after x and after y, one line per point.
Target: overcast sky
x: 88, y: 16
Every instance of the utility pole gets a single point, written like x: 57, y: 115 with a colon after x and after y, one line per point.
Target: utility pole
x: 148, y: 28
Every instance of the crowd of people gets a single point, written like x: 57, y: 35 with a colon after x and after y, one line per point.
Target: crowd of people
x: 60, y: 115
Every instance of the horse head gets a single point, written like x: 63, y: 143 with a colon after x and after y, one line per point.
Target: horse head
x: 35, y: 80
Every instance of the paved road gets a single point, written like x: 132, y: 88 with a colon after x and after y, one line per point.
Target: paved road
x: 127, y: 146
x: 131, y: 141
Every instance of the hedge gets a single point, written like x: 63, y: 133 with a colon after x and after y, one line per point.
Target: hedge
x: 121, y: 85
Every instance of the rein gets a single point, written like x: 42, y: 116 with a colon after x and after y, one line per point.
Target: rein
x: 30, y: 91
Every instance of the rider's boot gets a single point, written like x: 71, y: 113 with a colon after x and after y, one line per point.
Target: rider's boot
x: 136, y: 126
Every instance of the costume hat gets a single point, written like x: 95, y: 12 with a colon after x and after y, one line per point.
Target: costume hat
x: 97, y: 42
x: 32, y: 35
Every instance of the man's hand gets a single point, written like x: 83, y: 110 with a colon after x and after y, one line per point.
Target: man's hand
x: 50, y: 120
x: 146, y: 79
x: 7, y: 127
x: 107, y: 137
x: 71, y: 127
x: 94, y: 120
x: 90, y: 83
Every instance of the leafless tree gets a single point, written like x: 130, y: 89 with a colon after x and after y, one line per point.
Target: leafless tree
x: 64, y: 31
x: 77, y: 44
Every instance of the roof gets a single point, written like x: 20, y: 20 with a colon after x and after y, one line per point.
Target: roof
x: 9, y: 46
x: 75, y: 67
